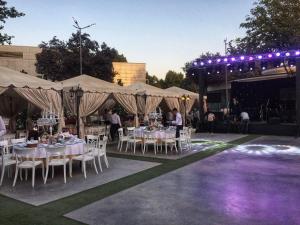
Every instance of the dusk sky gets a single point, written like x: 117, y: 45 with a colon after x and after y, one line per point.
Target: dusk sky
x: 162, y: 33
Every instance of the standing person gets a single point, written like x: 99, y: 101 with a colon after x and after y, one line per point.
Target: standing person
x: 211, y: 121
x: 245, y: 122
x: 178, y: 123
x: 115, y: 124
x: 2, y: 127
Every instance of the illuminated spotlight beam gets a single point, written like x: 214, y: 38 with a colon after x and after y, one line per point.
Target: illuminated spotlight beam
x: 200, y: 63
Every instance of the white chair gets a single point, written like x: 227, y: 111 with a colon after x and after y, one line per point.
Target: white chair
x: 100, y: 151
x: 56, y: 157
x: 18, y: 141
x: 183, y: 139
x: 122, y: 139
x: 167, y: 141
x: 87, y: 156
x: 149, y: 139
x: 25, y: 159
x: 133, y: 141
x: 6, y: 158
x: 23, y: 134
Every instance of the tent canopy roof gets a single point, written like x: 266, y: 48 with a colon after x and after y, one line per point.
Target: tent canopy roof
x: 17, y: 79
x: 146, y: 89
x: 182, y: 91
x: 92, y: 84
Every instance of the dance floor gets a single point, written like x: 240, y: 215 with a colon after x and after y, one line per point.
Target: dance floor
x: 254, y: 183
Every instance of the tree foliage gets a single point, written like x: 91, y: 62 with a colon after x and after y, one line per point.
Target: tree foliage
x: 59, y: 60
x: 6, y: 13
x: 272, y: 25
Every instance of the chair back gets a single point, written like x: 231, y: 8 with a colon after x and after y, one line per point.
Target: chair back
x: 120, y: 132
x: 56, y: 150
x: 4, y: 146
x: 148, y: 135
x: 22, y: 135
x: 24, y: 154
x: 91, y: 142
x: 18, y: 141
x: 183, y: 133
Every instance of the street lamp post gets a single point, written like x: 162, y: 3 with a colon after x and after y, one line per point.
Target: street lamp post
x: 185, y: 99
x: 80, y: 41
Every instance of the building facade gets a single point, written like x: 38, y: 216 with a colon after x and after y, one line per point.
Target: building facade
x: 129, y: 73
x: 19, y: 58
x: 23, y: 58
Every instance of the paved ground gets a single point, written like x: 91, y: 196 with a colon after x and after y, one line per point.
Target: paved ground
x: 56, y: 189
x: 205, y: 140
x: 239, y: 186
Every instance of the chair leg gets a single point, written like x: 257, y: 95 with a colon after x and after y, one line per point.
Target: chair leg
x: 70, y: 168
x: 2, y: 174
x: 46, y: 176
x: 33, y: 176
x: 43, y: 171
x: 65, y: 175
x: 26, y: 174
x: 52, y: 172
x: 99, y: 162
x: 126, y: 146
x: 155, y: 146
x: 95, y: 167
x: 21, y: 174
x: 121, y: 146
x: 84, y: 169
x: 134, y: 146
x: 16, y: 176
x: 166, y: 148
x: 144, y: 148
x: 106, y: 161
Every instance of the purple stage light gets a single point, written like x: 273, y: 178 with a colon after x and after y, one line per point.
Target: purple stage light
x: 195, y: 63
x: 287, y: 54
x: 232, y: 59
x: 225, y: 59
x: 277, y: 54
x: 251, y: 68
x: 202, y: 63
x: 259, y: 57
x: 209, y: 61
x: 297, y: 53
x: 270, y: 55
x: 242, y: 57
x: 250, y: 58
x: 218, y: 60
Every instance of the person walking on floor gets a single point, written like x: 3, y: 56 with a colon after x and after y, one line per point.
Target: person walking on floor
x: 178, y: 123
x: 245, y: 122
x: 211, y: 122
x: 115, y: 124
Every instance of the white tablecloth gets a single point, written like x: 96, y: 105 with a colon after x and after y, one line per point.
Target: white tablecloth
x: 71, y: 149
x: 158, y: 134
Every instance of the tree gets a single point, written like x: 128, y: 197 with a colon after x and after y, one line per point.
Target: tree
x: 173, y: 79
x: 5, y: 13
x: 153, y: 80
x: 272, y: 25
x: 59, y: 60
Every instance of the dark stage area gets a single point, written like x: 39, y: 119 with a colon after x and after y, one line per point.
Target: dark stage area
x: 272, y: 101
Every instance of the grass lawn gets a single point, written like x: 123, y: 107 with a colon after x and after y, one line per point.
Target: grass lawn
x: 19, y: 213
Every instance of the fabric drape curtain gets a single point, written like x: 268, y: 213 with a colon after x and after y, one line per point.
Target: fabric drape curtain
x: 189, y: 105
x: 9, y: 108
x: 152, y: 102
x: 2, y: 89
x: 172, y: 103
x: 43, y: 99
x: 141, y: 103
x: 128, y: 102
x: 108, y: 104
x: 89, y: 103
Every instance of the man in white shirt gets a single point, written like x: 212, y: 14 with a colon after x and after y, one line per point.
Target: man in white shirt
x: 115, y: 124
x: 2, y: 127
x: 245, y: 122
x: 177, y: 122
